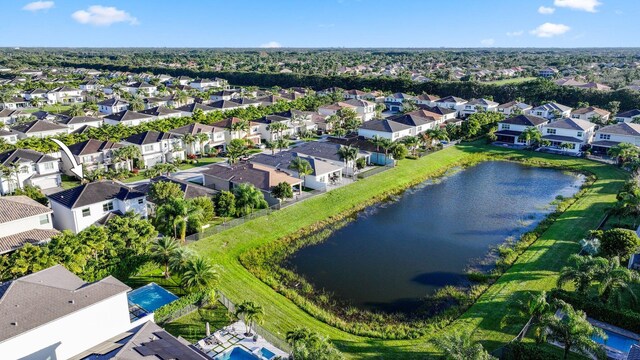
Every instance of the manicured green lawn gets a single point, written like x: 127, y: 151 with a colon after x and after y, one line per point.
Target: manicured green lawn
x: 511, y: 81
x: 202, y: 162
x: 192, y: 326
x: 536, y: 269
x: 51, y: 108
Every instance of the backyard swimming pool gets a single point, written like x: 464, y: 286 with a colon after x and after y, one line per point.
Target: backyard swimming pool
x: 151, y: 297
x: 616, y: 341
x: 237, y: 353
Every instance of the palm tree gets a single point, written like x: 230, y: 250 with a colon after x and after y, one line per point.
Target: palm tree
x: 349, y: 154
x: 179, y: 259
x: 460, y: 346
x: 239, y: 127
x: 177, y: 212
x: 203, y: 140
x: 162, y: 250
x: 412, y: 143
x: 282, y: 144
x: 12, y: 174
x: 535, y: 307
x: 573, y: 331
x: 624, y: 152
x: 75, y: 110
x: 271, y: 145
x: 236, y: 149
x: 298, y: 338
x: 277, y: 127
x: 248, y: 198
x: 614, y: 281
x: 628, y: 204
x: 199, y: 274
x: 531, y: 135
x: 581, y: 272
x: 136, y: 104
x: 188, y: 140
x: 376, y: 141
x: 36, y: 102
x: 127, y: 153
x: 251, y: 313
x: 302, y: 167
x: 180, y: 97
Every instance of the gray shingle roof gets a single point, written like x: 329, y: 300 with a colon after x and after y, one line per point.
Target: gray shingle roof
x: 552, y: 107
x: 45, y: 296
x: 92, y: 146
x: 191, y: 107
x: 38, y: 126
x: 24, y: 155
x: 149, y: 137
x: 629, y: 114
x: 128, y: 115
x: 93, y: 193
x: 628, y: 129
x: 571, y: 124
x: 160, y: 111
x: 526, y: 120
x: 384, y: 125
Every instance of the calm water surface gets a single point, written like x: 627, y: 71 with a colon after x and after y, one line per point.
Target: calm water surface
x: 398, y: 252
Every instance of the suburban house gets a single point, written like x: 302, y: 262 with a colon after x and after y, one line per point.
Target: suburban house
x: 9, y: 136
x: 264, y: 127
x: 225, y: 95
x: 82, y: 206
x: 77, y: 122
x: 157, y: 147
x: 426, y: 99
x: 92, y: 155
x: 384, y: 128
x: 140, y: 88
x: 227, y: 177
x: 14, y: 103
x: 39, y: 129
x: 162, y: 112
x: 615, y: 134
x: 452, y: 102
x: 216, y: 137
x: 90, y: 85
x: 366, y: 110
x: 354, y: 94
x: 230, y: 132
x: 189, y: 189
x: 548, y: 72
x: 625, y: 116
x: 205, y: 84
x: 475, y: 105
x: 9, y: 116
x: 576, y: 133
x: 30, y: 168
x: 224, y: 105
x: 446, y: 113
x: 551, y: 111
x: 323, y: 175
x: 513, y: 107
x: 509, y: 130
x: 394, y: 101
x: 590, y: 113
x: 53, y: 314
x: 128, y: 118
x: 188, y: 109
x: 112, y: 105
x: 418, y: 121
x: 64, y: 95
x: 329, y: 151
x: 22, y: 221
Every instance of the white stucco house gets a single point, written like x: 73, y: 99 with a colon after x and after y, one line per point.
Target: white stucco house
x: 128, y: 118
x: 22, y: 221
x: 474, y: 105
x: 513, y: 107
x: 53, y: 314
x: 551, y: 111
x: 591, y: 113
x: 510, y: 130
x: 29, y: 168
x: 157, y: 147
x: 628, y: 116
x: 452, y: 102
x: 85, y: 205
x: 140, y: 88
x: 576, y: 133
x: 384, y: 128
x: 112, y: 105
x: 324, y: 174
x: 93, y: 154
x: 612, y: 135
x: 39, y: 129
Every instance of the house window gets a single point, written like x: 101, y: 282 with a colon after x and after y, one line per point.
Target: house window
x: 108, y: 206
x: 575, y: 116
x: 579, y: 134
x: 148, y: 148
x: 505, y: 126
x: 44, y: 219
x: 605, y: 137
x: 86, y: 212
x: 551, y: 131
x: 539, y: 113
x: 140, y: 201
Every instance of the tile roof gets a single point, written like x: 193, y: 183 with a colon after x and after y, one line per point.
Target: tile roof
x: 45, y: 296
x: 128, y: 115
x: 149, y: 137
x: 571, y: 124
x: 586, y: 110
x: 226, y: 123
x: 95, y: 192
x: 261, y: 177
x: 20, y: 207
x: 193, y: 129
x: 628, y: 129
x: 526, y: 120
x: 18, y: 240
x: 451, y: 99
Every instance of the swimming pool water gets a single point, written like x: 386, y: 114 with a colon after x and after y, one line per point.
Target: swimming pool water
x: 616, y: 341
x: 151, y: 297
x: 237, y: 353
x: 267, y: 354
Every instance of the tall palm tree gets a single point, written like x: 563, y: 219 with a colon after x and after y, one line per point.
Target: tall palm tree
x: 302, y: 167
x: 277, y: 128
x: 533, y: 306
x: 460, y: 346
x: 614, y: 281
x: 271, y: 145
x: 240, y: 127
x: 348, y: 154
x: 180, y: 97
x: 531, y: 135
x: 177, y: 212
x: 127, y: 153
x: 179, y: 259
x: 573, y: 331
x: 412, y: 143
x: 162, y: 251
x: 582, y: 271
x: 282, y: 144
x: 189, y: 140
x: 203, y: 140
x: 136, y: 104
x: 199, y: 274
x: 251, y: 313
x: 624, y: 152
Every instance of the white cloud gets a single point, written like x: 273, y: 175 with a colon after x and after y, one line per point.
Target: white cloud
x: 584, y: 5
x: 546, y: 10
x: 487, y: 42
x: 103, y: 16
x: 271, y: 44
x: 548, y: 30
x: 515, y: 33
x: 38, y: 5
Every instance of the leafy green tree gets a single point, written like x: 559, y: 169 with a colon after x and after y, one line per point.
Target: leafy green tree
x: 282, y: 191
x: 618, y: 243
x: 179, y: 259
x: 28, y: 259
x: 531, y: 135
x: 307, y: 345
x: 34, y: 193
x: 624, y: 152
x: 302, y: 167
x: 348, y: 154
x: 162, y: 251
x: 399, y: 151
x: 236, y: 149
x: 162, y: 191
x: 248, y: 198
x: 412, y: 143
x: 628, y: 203
x: 460, y: 346
x: 225, y: 204
x: 176, y: 213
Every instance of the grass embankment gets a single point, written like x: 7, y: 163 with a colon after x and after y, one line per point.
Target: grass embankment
x: 536, y: 269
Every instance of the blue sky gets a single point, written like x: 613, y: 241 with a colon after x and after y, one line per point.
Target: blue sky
x: 321, y: 23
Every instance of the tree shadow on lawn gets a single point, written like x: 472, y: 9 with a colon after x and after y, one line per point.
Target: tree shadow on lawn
x: 385, y: 349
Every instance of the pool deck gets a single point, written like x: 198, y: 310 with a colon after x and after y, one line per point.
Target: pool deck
x: 611, y: 352
x: 233, y: 336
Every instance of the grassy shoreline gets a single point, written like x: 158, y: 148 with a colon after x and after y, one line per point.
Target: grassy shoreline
x: 535, y: 269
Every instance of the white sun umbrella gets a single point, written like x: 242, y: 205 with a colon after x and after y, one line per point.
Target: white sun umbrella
x: 208, y: 331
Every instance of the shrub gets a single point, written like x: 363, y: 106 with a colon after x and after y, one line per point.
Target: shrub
x: 167, y: 311
x: 521, y: 351
x: 618, y: 242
